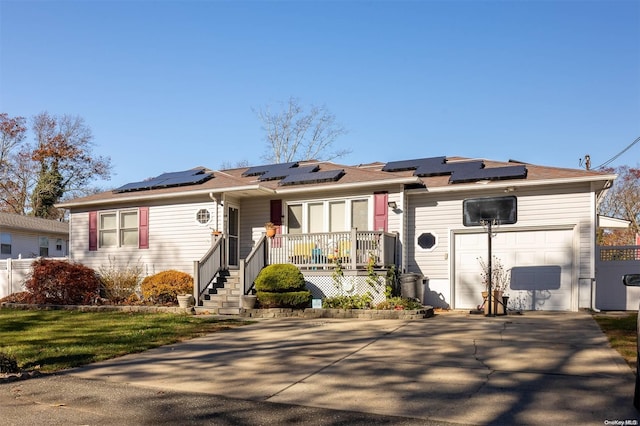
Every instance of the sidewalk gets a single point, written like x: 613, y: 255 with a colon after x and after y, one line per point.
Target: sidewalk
x: 538, y: 369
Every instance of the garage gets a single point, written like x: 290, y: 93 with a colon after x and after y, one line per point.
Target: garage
x: 541, y: 264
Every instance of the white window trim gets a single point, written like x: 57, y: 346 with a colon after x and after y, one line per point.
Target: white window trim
x: 118, y: 228
x: 325, y: 212
x: 435, y: 243
x: 207, y: 223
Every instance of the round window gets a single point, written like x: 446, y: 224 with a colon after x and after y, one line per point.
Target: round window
x: 427, y: 241
x: 203, y: 216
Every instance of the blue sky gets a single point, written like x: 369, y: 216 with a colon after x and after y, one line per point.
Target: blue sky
x: 166, y: 86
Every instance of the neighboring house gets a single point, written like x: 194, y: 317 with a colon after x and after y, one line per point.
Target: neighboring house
x: 29, y: 237
x: 404, y: 213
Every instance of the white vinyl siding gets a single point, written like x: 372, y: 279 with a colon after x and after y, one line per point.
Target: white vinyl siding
x: 176, y: 240
x: 538, y: 208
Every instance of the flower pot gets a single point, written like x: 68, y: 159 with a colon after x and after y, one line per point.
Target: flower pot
x: 271, y: 232
x: 496, y: 302
x: 185, y: 300
x: 248, y: 301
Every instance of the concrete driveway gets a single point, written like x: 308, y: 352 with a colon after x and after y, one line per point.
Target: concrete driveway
x: 537, y: 369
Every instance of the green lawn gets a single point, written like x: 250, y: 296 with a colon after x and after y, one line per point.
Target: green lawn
x: 55, y: 340
x: 621, y: 332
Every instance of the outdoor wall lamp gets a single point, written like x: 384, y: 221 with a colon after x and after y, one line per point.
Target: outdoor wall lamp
x: 392, y: 204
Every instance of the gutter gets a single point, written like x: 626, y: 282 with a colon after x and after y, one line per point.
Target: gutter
x: 504, y: 184
x: 137, y: 197
x: 396, y: 181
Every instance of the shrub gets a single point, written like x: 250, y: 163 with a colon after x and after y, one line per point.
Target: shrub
x: 8, y: 364
x: 19, y: 297
x: 292, y: 299
x: 280, y: 277
x: 399, y: 303
x: 165, y: 286
x: 283, y: 286
x: 119, y: 284
x: 356, y: 301
x: 60, y: 282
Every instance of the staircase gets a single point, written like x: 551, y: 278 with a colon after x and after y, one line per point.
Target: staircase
x: 223, y: 297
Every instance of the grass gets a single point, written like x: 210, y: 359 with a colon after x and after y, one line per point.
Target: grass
x: 55, y: 340
x: 621, y: 332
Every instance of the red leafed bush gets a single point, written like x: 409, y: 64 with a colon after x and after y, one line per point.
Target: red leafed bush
x: 59, y: 282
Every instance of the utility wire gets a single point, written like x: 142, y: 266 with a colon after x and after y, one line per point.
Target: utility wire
x: 611, y: 160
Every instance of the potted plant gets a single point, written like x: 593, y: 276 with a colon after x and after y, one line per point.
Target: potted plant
x: 185, y: 300
x: 270, y: 229
x: 248, y: 301
x: 500, y: 278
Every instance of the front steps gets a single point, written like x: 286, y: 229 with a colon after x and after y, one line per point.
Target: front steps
x: 224, y: 297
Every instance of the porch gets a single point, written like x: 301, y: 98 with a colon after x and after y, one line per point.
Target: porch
x: 317, y: 255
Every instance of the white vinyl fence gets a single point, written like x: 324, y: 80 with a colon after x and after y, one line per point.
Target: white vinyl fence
x: 13, y: 273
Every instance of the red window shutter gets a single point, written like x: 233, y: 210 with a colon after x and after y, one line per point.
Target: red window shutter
x: 143, y: 229
x: 380, y: 211
x: 93, y: 231
x: 276, y: 212
x: 275, y: 216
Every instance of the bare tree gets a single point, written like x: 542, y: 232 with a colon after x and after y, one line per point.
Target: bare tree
x: 65, y: 161
x: 225, y: 165
x: 293, y: 133
x: 12, y: 133
x: 622, y: 201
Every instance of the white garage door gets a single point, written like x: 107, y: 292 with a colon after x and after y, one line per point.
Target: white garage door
x: 541, y: 264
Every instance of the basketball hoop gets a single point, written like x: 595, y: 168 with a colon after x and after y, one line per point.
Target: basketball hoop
x: 489, y: 213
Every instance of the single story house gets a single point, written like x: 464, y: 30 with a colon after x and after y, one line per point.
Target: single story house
x: 23, y: 237
x: 344, y: 225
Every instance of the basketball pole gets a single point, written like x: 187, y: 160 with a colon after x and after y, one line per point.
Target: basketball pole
x: 490, y: 272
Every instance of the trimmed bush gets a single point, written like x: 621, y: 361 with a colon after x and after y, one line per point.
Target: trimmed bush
x: 399, y: 303
x: 280, y: 277
x: 165, y: 286
x: 292, y: 299
x: 60, y: 282
x: 357, y: 301
x: 282, y: 286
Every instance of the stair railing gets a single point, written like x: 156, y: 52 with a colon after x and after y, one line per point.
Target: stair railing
x: 208, y: 267
x: 251, y: 266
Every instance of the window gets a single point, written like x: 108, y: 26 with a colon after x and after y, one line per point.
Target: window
x: 59, y: 244
x: 316, y: 217
x: 44, y: 246
x: 360, y: 214
x: 203, y: 216
x: 337, y: 215
x: 5, y: 243
x: 294, y: 222
x: 118, y: 229
x: 427, y: 241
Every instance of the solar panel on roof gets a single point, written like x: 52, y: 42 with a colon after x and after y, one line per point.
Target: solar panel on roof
x: 433, y: 169
x: 398, y: 166
x: 165, y: 180
x: 259, y: 170
x: 282, y: 173
x: 313, y: 177
x: 492, y: 173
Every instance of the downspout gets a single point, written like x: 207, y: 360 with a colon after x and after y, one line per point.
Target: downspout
x: 215, y: 200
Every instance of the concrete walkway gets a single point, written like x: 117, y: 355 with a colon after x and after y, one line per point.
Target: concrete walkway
x: 534, y: 369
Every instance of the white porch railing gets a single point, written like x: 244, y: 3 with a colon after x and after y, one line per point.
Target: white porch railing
x: 323, y: 250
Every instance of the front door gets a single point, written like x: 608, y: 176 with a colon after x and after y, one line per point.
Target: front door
x: 233, y: 236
